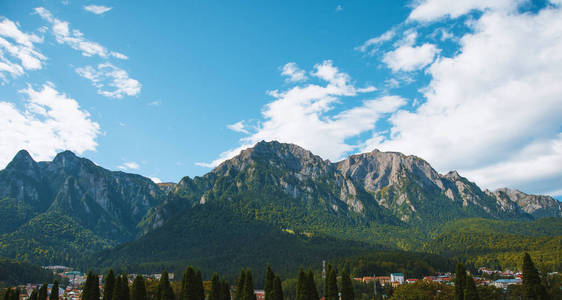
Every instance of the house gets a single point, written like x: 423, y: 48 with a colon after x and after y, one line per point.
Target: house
x: 411, y: 280
x: 368, y: 279
x: 504, y: 283
x: 397, y: 277
x: 260, y: 294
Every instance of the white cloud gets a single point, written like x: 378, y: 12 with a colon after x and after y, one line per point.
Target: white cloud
x: 131, y: 165
x: 238, y: 127
x: 374, y: 43
x: 492, y: 110
x: 154, y: 103
x: 339, y: 7
x: 17, y: 45
x: 49, y: 122
x: 155, y: 179
x: 410, y: 58
x: 293, y: 72
x: 304, y: 115
x: 97, y: 9
x: 431, y: 10
x: 74, y: 38
x: 107, y: 76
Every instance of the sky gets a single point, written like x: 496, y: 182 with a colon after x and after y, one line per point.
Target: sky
x: 172, y: 89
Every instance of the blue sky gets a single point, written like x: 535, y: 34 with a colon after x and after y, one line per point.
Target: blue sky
x: 169, y: 90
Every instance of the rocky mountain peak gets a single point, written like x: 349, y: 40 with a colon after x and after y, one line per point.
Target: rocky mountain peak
x: 22, y: 161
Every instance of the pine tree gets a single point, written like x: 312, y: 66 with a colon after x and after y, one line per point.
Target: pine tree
x: 215, y: 288
x: 248, y: 287
x: 239, y: 293
x: 33, y: 295
x: 470, y: 291
x: 302, y: 282
x: 91, y: 287
x: 199, y: 289
x: 269, y: 277
x: 225, y: 290
x: 55, y: 291
x: 331, y: 284
x: 138, y: 290
x: 42, y: 294
x: 346, y: 286
x: 311, y: 287
x: 165, y: 290
x: 188, y: 289
x: 277, y: 293
x: 532, y: 288
x: 460, y: 281
x: 109, y: 285
x: 121, y: 289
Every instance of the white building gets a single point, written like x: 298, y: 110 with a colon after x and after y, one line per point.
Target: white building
x: 397, y: 277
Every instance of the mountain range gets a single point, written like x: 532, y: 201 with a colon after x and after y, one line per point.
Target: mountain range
x: 271, y: 202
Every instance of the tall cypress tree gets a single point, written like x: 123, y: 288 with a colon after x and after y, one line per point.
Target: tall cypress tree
x: 239, y: 293
x: 109, y: 285
x: 470, y: 291
x: 91, y: 287
x: 188, y: 289
x: 8, y: 294
x: 199, y: 289
x: 33, y: 295
x: 215, y: 293
x: 225, y: 290
x: 121, y: 289
x: 277, y: 293
x: 460, y: 281
x: 302, y: 283
x: 15, y: 295
x: 346, y: 286
x: 532, y: 287
x: 42, y: 294
x: 165, y: 290
x: 138, y: 290
x: 249, y: 287
x: 331, y: 285
x: 269, y: 277
x: 55, y: 291
x: 311, y: 287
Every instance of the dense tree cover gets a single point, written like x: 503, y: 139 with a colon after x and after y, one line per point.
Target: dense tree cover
x: 500, y: 244
x: 52, y: 238
x: 423, y: 290
x: 248, y: 289
x: 331, y: 285
x: 43, y: 292
x: 13, y: 272
x: 239, y: 292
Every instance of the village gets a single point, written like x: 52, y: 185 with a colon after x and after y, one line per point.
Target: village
x: 74, y: 281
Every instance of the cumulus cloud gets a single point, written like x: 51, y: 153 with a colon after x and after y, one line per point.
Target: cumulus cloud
x: 110, y: 80
x: 293, y: 72
x: 431, y: 10
x: 75, y: 38
x: 17, y: 50
x: 493, y: 109
x: 131, y: 165
x: 97, y: 9
x: 410, y: 58
x: 48, y: 122
x: 304, y: 115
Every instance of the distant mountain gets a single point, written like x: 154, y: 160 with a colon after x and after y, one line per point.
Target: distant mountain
x: 270, y: 202
x: 95, y: 207
x: 376, y: 200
